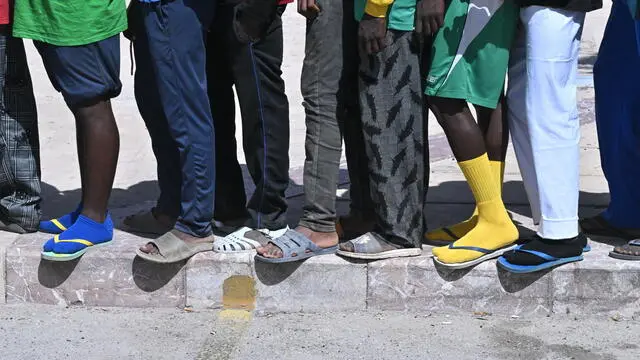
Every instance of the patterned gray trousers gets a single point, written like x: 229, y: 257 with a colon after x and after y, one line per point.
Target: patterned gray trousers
x: 394, y: 132
x: 19, y: 144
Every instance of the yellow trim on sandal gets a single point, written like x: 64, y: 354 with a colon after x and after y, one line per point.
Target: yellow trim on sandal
x: 58, y: 224
x: 77, y: 241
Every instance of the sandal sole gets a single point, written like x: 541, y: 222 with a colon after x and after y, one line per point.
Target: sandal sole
x: 627, y: 257
x: 51, y: 256
x: 383, y: 255
x: 327, y: 251
x: 475, y: 262
x: 522, y: 269
x: 159, y: 259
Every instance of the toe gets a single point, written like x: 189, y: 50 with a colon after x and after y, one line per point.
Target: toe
x: 149, y: 249
x: 274, y: 252
x: 437, y: 252
x: 48, y: 246
x: 261, y: 250
x: 347, y: 246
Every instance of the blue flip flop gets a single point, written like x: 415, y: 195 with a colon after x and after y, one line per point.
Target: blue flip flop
x: 83, y: 235
x: 294, y: 242
x: 550, y: 261
x: 61, y: 224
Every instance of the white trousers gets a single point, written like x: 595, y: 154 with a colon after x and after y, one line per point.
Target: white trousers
x: 543, y: 116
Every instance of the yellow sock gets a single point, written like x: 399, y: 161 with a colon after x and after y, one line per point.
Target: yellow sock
x: 497, y: 168
x: 494, y: 229
x: 462, y: 228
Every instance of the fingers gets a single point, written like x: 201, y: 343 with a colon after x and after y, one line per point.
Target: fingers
x: 427, y: 30
x: 440, y: 20
x: 382, y: 42
x: 433, y: 22
x: 302, y: 6
x: 362, y: 45
x: 308, y: 8
x: 374, y: 46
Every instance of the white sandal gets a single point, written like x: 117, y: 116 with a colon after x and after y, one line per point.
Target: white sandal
x: 246, y: 239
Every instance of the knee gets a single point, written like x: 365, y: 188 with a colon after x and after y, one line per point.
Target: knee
x: 446, y: 110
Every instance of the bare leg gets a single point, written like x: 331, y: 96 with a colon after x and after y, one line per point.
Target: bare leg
x: 464, y: 135
x: 495, y: 129
x: 98, y: 148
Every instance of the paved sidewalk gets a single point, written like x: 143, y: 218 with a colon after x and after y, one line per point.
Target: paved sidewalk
x: 112, y: 277
x: 35, y: 332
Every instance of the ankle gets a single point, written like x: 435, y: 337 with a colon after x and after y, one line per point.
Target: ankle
x: 96, y: 216
x: 319, y: 238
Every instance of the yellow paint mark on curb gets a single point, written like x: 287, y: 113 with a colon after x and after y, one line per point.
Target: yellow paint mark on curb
x: 236, y: 315
x: 239, y: 293
x: 238, y: 301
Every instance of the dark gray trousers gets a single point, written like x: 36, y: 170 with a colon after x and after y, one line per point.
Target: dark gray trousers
x: 330, y: 90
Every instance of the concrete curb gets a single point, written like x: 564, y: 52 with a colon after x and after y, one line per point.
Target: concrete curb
x: 112, y: 277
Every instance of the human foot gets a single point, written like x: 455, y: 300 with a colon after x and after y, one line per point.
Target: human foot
x: 149, y: 222
x: 448, y: 234
x: 150, y: 248
x: 629, y: 251
x: 319, y: 239
x: 352, y: 226
x: 85, y: 233
x: 57, y: 226
x: 372, y: 246
x: 540, y: 254
x: 490, y: 238
x: 599, y: 226
x: 247, y: 239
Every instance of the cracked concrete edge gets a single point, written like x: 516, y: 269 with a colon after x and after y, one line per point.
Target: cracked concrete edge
x: 599, y: 286
x: 6, y: 240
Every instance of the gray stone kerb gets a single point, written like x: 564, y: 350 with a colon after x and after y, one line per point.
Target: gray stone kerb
x: 112, y: 276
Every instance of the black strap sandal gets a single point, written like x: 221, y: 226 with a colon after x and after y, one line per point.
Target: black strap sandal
x: 629, y: 251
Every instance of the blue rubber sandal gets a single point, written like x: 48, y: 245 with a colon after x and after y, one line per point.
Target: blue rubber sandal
x: 294, y: 242
x: 81, y: 236
x: 61, y: 224
x: 550, y: 261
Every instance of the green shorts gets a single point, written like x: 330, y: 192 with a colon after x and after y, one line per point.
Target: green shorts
x: 470, y: 52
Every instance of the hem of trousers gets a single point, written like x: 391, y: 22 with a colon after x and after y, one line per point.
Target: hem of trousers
x: 557, y: 229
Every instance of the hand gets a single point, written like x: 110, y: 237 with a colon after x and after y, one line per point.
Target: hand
x: 372, y: 34
x: 308, y: 8
x: 429, y: 17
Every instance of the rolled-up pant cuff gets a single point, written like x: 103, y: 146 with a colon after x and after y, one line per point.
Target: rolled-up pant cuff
x: 556, y: 229
x: 323, y: 228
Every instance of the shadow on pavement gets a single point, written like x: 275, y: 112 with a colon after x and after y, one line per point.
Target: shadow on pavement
x: 451, y: 275
x: 52, y: 274
x: 273, y: 274
x: 513, y: 283
x: 56, y: 203
x: 150, y: 277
